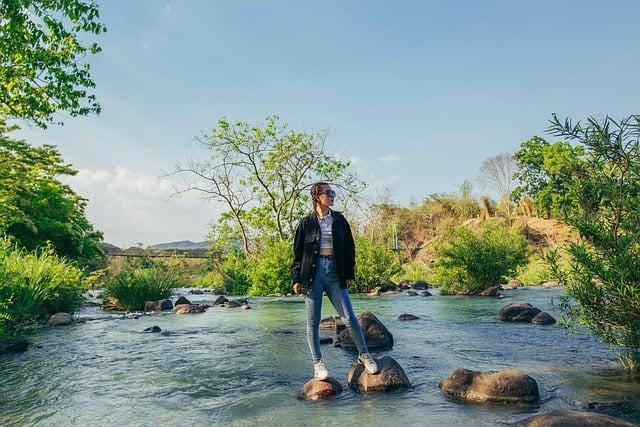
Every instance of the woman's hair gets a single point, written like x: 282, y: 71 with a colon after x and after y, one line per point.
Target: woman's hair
x: 316, y: 191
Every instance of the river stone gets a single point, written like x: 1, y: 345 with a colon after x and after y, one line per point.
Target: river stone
x: 410, y: 294
x: 331, y: 322
x: 518, y: 312
x: 420, y: 285
x: 14, y: 345
x: 160, y: 305
x: 493, y: 386
x: 513, y: 284
x: 493, y: 291
x: 407, y: 316
x: 543, y: 318
x: 60, y: 319
x: 390, y: 377
x: 320, y: 390
x: 376, y: 335
x: 182, y: 300
x: 573, y: 419
x: 425, y: 294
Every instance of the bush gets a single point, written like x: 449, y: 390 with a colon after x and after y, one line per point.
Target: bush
x: 271, y: 269
x: 233, y: 273
x: 36, y: 285
x: 472, y: 262
x: 129, y: 289
x: 375, y: 263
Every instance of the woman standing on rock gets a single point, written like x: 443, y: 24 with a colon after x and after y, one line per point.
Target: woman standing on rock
x: 324, y: 262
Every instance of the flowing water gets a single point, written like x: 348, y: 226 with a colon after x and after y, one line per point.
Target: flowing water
x: 236, y: 367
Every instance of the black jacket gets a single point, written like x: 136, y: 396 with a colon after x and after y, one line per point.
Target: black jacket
x: 306, y: 246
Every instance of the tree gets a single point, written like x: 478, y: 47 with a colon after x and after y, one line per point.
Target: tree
x: 36, y: 208
x: 42, y: 58
x: 497, y: 172
x: 261, y: 174
x: 601, y: 199
x: 540, y: 172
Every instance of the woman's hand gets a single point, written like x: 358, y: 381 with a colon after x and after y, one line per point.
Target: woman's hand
x: 296, y: 288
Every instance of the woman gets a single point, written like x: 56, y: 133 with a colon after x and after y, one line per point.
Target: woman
x: 324, y: 262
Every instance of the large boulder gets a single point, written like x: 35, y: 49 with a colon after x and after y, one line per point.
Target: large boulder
x: 320, y: 390
x: 492, y: 386
x: 390, y: 377
x: 60, y: 319
x: 573, y: 419
x: 376, y: 335
x: 518, y: 312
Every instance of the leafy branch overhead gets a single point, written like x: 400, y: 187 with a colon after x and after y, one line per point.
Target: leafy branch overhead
x: 43, y: 68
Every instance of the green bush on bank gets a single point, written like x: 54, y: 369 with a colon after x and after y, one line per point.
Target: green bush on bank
x: 375, y: 263
x: 471, y: 262
x: 35, y: 285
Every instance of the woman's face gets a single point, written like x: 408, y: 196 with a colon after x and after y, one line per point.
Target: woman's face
x: 326, y: 196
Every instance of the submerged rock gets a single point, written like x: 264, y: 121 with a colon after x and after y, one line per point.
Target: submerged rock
x: 518, y: 312
x: 573, y: 419
x: 14, y: 345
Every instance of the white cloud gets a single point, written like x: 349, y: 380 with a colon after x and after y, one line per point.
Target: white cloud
x: 131, y: 207
x: 167, y: 9
x: 388, y: 158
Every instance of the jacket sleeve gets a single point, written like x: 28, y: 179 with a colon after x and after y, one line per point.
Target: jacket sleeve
x: 350, y: 253
x: 298, y: 250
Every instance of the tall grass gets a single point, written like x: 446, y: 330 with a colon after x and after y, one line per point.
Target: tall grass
x: 35, y: 285
x: 130, y: 288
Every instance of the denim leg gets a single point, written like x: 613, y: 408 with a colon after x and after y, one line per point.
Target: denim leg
x: 342, y: 303
x: 313, y: 303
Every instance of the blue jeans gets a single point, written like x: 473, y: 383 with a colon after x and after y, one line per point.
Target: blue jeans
x: 326, y: 281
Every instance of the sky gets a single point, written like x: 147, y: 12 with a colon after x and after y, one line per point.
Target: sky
x: 415, y: 93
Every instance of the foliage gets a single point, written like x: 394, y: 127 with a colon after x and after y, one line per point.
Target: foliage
x: 375, y: 263
x: 261, y: 174
x: 601, y: 199
x: 471, y: 262
x: 37, y: 209
x: 130, y: 288
x: 42, y: 58
x: 416, y: 227
x: 542, y: 172
x: 36, y: 285
x: 270, y: 271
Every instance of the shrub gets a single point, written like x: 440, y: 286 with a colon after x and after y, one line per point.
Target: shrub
x: 471, y: 262
x: 233, y: 273
x: 375, y: 263
x: 36, y: 285
x: 271, y: 269
x: 129, y: 289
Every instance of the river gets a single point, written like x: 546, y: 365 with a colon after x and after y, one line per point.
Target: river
x: 236, y: 367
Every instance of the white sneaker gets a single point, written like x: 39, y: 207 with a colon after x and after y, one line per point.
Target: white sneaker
x: 369, y: 364
x: 320, y: 371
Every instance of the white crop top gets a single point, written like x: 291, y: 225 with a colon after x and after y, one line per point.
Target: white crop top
x: 326, y: 237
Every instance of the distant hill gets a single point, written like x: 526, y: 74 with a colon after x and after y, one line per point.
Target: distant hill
x: 182, y: 245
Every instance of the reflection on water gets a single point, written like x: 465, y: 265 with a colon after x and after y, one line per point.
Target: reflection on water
x: 245, y: 367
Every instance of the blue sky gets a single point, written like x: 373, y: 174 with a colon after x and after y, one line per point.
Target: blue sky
x: 416, y: 93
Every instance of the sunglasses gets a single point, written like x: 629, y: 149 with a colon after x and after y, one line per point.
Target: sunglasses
x: 329, y: 193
